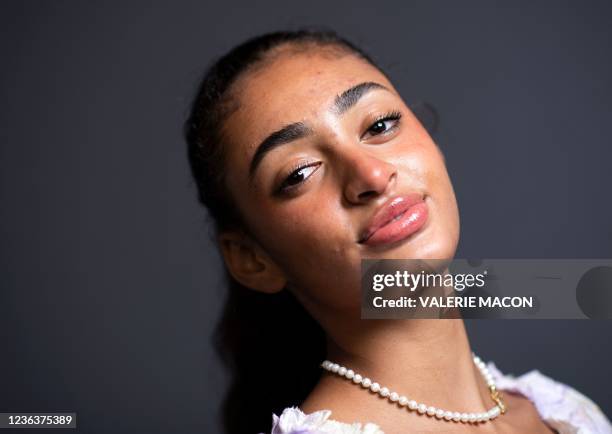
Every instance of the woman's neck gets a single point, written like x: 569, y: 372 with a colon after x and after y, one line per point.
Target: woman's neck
x: 429, y: 360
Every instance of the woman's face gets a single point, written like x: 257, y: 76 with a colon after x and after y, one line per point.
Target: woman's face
x: 320, y: 148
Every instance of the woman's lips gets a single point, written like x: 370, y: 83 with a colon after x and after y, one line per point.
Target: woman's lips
x: 398, y: 219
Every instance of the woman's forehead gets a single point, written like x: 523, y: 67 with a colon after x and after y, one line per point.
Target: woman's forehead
x: 294, y: 88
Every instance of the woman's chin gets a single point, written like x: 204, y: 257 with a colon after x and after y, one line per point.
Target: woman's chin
x: 430, y: 254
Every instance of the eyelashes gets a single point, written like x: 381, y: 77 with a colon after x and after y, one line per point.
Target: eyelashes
x: 393, y: 116
x: 304, y: 170
x: 297, y: 177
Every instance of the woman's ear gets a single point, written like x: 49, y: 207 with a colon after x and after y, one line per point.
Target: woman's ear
x: 249, y: 264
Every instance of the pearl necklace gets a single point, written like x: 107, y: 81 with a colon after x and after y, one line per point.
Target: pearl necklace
x: 413, y: 405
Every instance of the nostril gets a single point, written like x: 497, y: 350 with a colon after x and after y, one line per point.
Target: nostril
x: 367, y: 194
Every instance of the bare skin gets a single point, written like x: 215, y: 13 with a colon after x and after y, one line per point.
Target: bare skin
x: 438, y: 380
x: 305, y: 237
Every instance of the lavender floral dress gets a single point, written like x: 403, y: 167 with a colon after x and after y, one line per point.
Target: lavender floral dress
x: 561, y: 407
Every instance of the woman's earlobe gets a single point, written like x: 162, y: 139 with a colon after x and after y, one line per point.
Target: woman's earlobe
x: 249, y: 265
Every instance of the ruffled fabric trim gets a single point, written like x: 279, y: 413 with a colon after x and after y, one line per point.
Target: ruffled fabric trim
x: 295, y: 421
x: 559, y: 405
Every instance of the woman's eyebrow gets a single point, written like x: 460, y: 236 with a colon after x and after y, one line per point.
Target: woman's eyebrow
x: 349, y: 97
x: 342, y: 103
x: 285, y: 135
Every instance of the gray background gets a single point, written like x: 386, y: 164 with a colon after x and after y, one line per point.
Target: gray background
x: 109, y: 286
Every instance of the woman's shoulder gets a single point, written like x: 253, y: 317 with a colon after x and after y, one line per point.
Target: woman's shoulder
x: 559, y: 405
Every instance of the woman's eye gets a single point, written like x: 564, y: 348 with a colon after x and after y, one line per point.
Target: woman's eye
x: 298, y: 176
x: 384, y: 124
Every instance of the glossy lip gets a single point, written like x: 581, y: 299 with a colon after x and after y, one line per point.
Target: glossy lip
x: 398, y: 218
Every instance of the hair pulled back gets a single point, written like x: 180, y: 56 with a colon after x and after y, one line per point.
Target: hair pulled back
x: 270, y: 344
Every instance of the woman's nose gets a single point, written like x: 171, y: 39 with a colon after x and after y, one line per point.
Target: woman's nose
x: 367, y: 177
